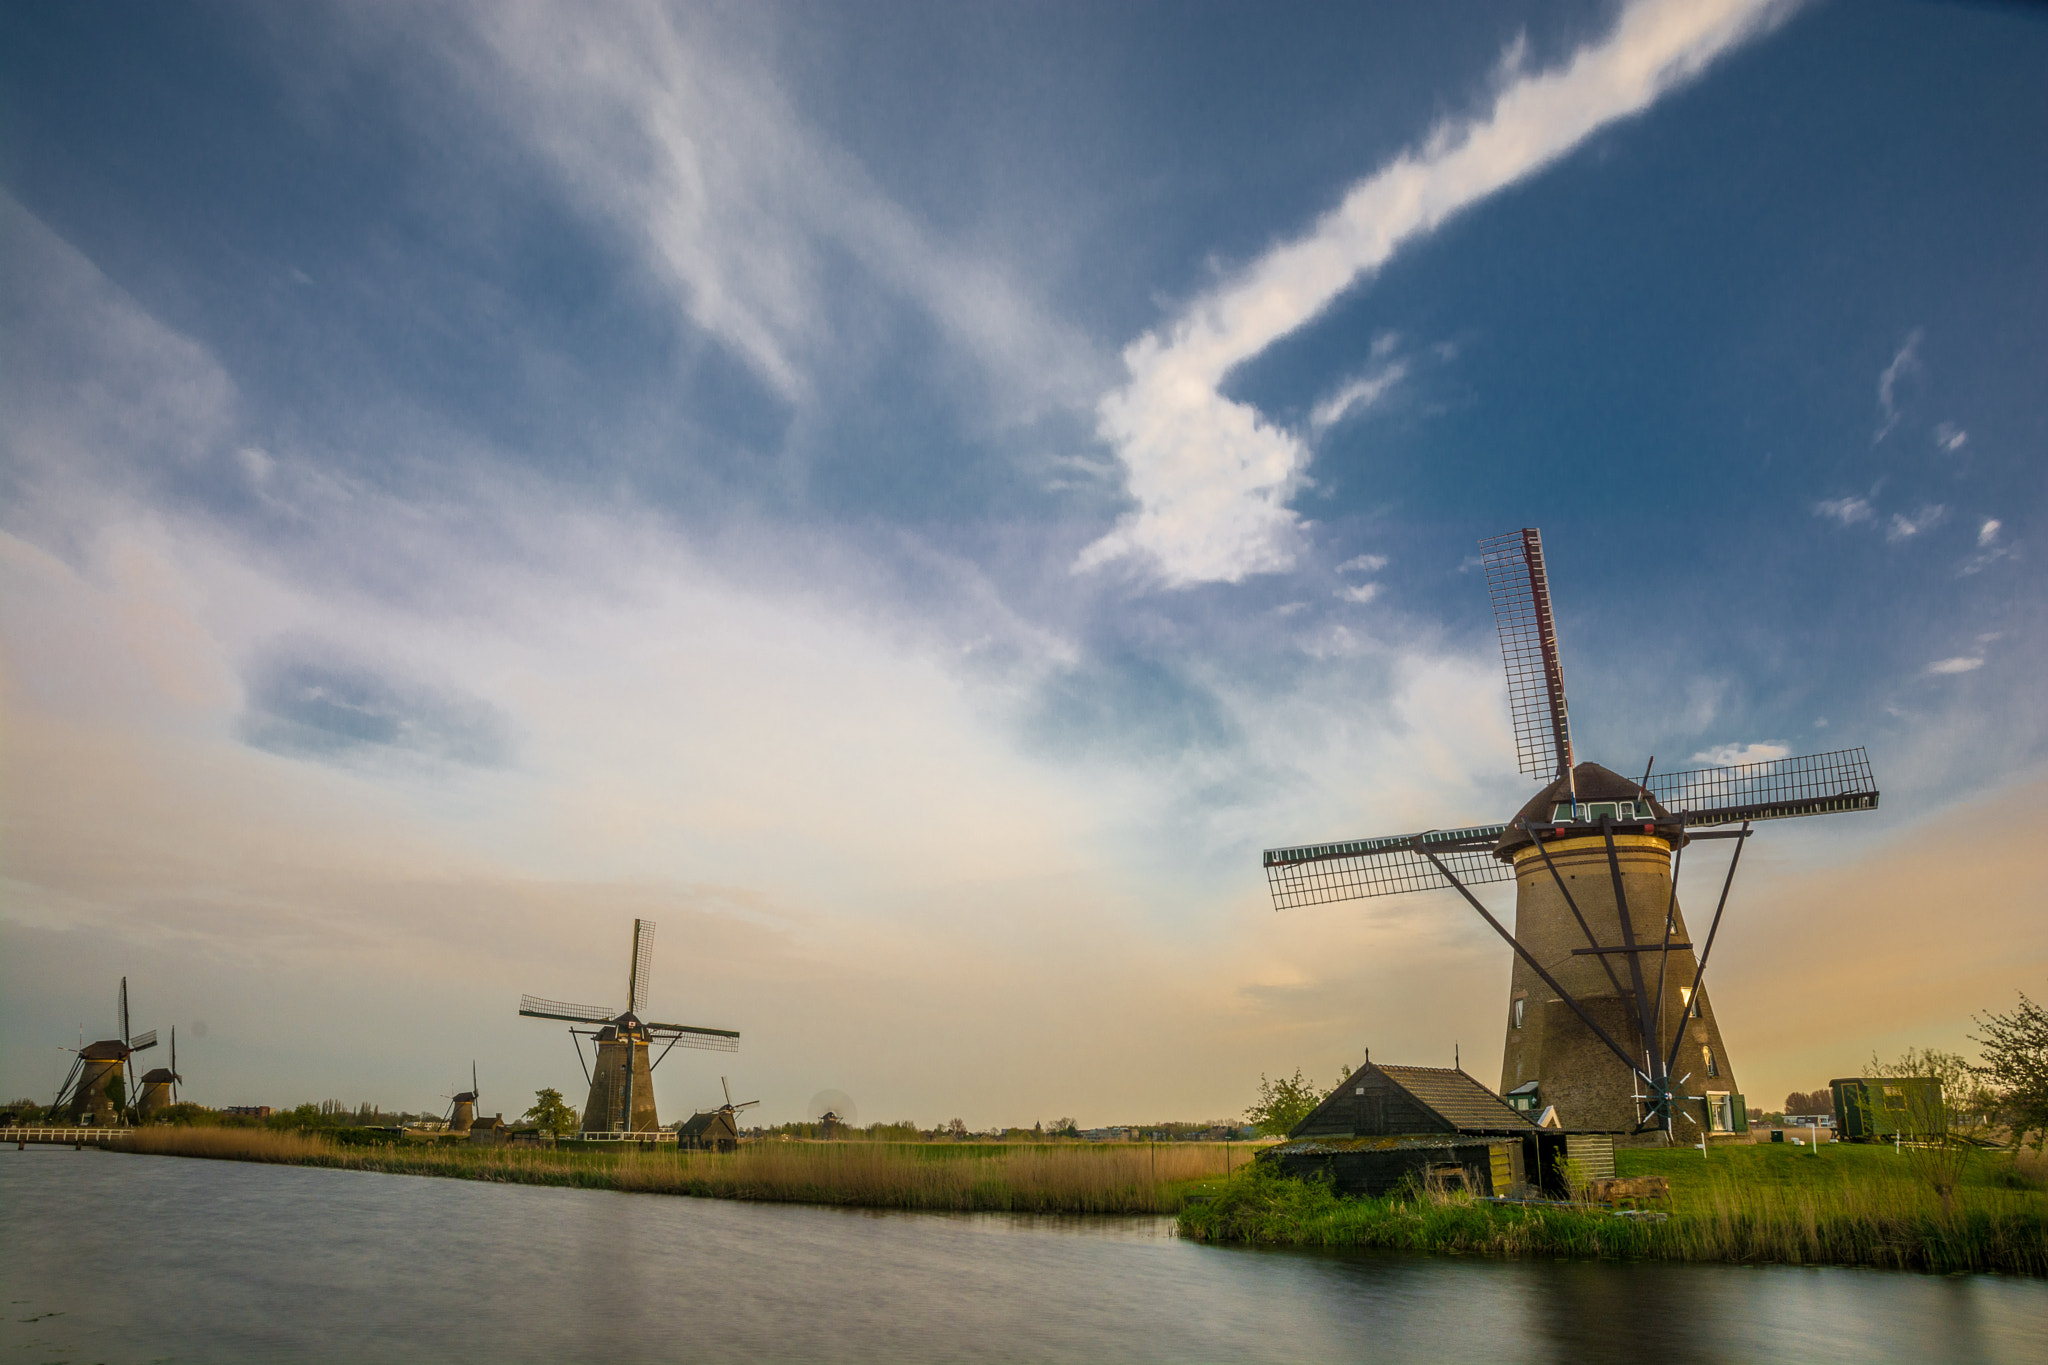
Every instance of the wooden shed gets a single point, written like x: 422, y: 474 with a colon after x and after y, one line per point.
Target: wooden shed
x: 1389, y: 1125
x: 711, y: 1131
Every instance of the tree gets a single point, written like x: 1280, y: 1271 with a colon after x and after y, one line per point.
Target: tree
x: 1820, y: 1101
x: 1063, y: 1127
x: 2016, y: 1061
x: 552, y: 1113
x: 1283, y: 1103
x: 956, y: 1129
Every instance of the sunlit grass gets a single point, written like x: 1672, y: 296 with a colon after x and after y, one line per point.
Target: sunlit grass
x: 1852, y: 1206
x: 1052, y: 1178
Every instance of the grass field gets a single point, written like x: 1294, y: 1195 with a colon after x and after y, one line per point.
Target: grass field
x: 965, y: 1177
x: 1749, y: 1204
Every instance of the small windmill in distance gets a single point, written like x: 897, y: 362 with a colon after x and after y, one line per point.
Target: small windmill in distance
x: 160, y: 1086
x: 622, y: 1075
x: 461, y: 1116
x: 96, y: 1090
x: 1595, y: 858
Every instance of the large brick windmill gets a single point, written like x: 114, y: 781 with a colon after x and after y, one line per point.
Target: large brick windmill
x: 1609, y: 1022
x: 622, y: 1074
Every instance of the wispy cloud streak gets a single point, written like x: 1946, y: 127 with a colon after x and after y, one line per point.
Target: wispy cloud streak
x: 1212, y: 476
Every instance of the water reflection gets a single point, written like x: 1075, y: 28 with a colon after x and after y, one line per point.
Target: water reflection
x: 223, y: 1261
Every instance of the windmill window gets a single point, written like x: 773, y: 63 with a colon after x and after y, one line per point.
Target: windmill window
x: 1692, y: 1005
x: 1712, y: 1068
x: 1519, y: 1004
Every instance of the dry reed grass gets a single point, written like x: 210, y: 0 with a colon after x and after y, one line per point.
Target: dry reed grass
x: 1118, y: 1178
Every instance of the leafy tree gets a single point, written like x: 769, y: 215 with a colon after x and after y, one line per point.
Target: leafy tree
x: 2016, y: 1061
x: 1063, y: 1127
x: 956, y: 1129
x: 552, y: 1113
x: 1283, y: 1103
x: 117, y: 1091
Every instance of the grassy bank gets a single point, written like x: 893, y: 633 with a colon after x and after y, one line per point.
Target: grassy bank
x: 1052, y: 1178
x: 1755, y: 1205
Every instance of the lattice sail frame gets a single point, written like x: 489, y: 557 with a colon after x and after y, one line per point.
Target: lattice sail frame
x: 1772, y: 789
x: 1318, y: 874
x: 643, y: 965
x: 1520, y: 587
x: 539, y: 1007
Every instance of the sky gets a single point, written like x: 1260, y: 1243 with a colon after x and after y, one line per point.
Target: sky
x: 912, y: 498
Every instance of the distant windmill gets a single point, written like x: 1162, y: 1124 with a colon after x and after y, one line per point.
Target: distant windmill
x: 1593, y: 861
x: 97, y: 1090
x: 622, y: 1076
x: 461, y: 1116
x: 834, y: 1112
x: 160, y: 1086
x: 716, y: 1130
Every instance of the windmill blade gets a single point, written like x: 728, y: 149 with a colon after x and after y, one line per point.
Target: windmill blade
x: 143, y: 1041
x: 689, y: 1035
x: 643, y: 965
x: 474, y: 1093
x: 1520, y: 587
x: 743, y: 1104
x: 1318, y: 874
x: 176, y: 1079
x: 534, y: 1007
x: 1775, y: 789
x: 722, y: 1085
x: 124, y: 1009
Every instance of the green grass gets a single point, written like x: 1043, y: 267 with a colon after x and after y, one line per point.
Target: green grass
x: 1747, y: 1204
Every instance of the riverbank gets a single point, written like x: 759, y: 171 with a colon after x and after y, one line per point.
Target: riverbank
x: 1118, y: 1178
x: 1861, y: 1206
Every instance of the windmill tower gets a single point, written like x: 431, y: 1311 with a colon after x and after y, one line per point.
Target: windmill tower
x: 462, y: 1108
x: 622, y: 1073
x: 1609, y: 1023
x: 97, y: 1089
x: 160, y: 1085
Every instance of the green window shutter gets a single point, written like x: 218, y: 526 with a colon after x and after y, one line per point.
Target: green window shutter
x: 1741, y: 1124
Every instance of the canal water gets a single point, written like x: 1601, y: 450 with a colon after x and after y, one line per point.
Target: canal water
x: 124, y: 1258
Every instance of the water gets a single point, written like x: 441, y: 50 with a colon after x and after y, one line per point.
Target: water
x: 124, y: 1258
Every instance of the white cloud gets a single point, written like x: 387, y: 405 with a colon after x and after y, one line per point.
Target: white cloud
x: 1848, y: 511
x: 1358, y: 395
x: 1904, y: 362
x: 1212, y: 477
x: 1730, y: 755
x: 1988, y: 532
x: 1964, y: 664
x: 666, y: 124
x: 1905, y: 528
x: 1361, y: 593
x: 1950, y: 437
x: 1363, y: 564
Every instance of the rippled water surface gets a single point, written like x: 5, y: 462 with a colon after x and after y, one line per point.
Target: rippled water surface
x: 124, y: 1258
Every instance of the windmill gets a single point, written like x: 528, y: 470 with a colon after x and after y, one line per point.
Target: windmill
x: 160, y: 1085
x: 834, y: 1113
x: 716, y: 1130
x: 1609, y: 1024
x: 622, y: 1074
x: 96, y: 1090
x: 461, y: 1115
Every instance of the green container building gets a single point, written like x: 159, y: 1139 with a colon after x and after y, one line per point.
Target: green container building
x: 1877, y: 1108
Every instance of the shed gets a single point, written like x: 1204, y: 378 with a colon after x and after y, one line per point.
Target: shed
x: 1874, y: 1108
x: 1386, y: 1125
x: 711, y: 1131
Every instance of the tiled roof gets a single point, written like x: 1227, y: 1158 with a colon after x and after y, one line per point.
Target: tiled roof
x: 1462, y: 1101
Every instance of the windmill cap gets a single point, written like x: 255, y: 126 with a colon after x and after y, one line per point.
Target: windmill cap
x: 161, y: 1076
x: 106, y: 1050
x: 1593, y: 782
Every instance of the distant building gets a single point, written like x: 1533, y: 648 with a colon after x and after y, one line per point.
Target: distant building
x: 711, y: 1131
x: 1879, y: 1108
x: 490, y: 1132
x: 254, y: 1111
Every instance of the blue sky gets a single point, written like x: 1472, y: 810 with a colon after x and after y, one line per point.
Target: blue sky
x: 914, y: 498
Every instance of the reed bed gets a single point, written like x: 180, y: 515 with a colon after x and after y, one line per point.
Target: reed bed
x: 1882, y: 1221
x: 1063, y: 1178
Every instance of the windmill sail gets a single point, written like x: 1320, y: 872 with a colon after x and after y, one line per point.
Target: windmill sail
x: 1775, y: 789
x: 689, y: 1035
x: 643, y: 965
x: 142, y: 1041
x: 534, y: 1007
x: 1520, y: 587
x: 1318, y: 874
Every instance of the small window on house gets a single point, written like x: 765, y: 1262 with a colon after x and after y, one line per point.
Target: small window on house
x: 1518, y: 1012
x: 1692, y: 1006
x: 1712, y: 1069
